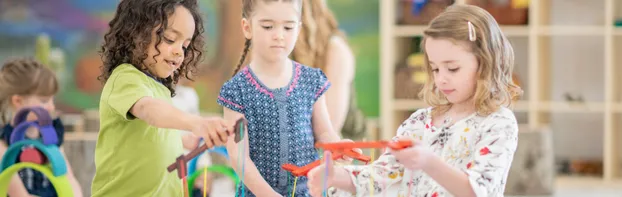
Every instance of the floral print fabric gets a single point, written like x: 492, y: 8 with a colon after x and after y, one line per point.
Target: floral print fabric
x: 482, y: 147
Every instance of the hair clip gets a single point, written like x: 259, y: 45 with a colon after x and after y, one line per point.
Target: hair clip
x: 472, y: 36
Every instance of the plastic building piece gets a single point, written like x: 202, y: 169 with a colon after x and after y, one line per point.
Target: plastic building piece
x: 51, y: 152
x: 43, y: 116
x: 240, y: 124
x: 340, y: 149
x: 396, y: 145
x: 48, y: 133
x: 222, y: 169
x: 61, y: 183
x: 192, y: 164
x: 302, y: 171
x: 32, y: 155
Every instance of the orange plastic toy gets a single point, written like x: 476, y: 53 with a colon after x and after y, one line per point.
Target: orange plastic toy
x: 340, y: 149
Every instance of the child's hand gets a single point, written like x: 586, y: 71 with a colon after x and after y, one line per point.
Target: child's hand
x: 415, y: 157
x: 317, y: 178
x: 345, y: 159
x: 214, y: 131
x: 190, y: 141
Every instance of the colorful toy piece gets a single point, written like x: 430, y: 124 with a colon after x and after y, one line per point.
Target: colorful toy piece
x: 32, y: 155
x: 395, y: 145
x: 40, y: 154
x: 225, y: 170
x: 182, y: 160
x: 61, y: 183
x: 341, y: 149
x: 192, y: 164
x: 43, y: 124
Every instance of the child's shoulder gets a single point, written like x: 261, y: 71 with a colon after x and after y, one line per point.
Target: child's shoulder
x: 503, y: 113
x: 128, y: 71
x: 421, y: 112
x: 308, y: 70
x: 503, y: 117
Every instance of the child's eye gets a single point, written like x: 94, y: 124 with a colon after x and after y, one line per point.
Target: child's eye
x: 435, y: 70
x: 168, y: 40
x: 454, y: 69
x: 288, y: 28
x: 267, y: 27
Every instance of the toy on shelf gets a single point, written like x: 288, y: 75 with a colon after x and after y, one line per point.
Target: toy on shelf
x: 420, y: 12
x: 505, y: 12
x: 40, y: 153
x: 181, y: 162
x: 340, y: 149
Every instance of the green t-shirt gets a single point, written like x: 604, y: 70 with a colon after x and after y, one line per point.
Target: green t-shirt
x: 131, y: 156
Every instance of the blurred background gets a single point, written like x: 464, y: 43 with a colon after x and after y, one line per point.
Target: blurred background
x: 566, y: 61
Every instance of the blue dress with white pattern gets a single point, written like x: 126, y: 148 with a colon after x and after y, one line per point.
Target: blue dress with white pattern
x: 279, y: 123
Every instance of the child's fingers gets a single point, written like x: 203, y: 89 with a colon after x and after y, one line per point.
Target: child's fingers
x: 208, y: 138
x: 216, y: 136
x: 230, y: 127
x: 222, y: 134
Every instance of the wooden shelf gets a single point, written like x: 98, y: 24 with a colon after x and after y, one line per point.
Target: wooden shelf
x: 571, y: 30
x: 570, y: 107
x: 520, y: 30
x: 417, y: 30
x: 616, y: 31
x: 81, y: 136
x: 541, y: 60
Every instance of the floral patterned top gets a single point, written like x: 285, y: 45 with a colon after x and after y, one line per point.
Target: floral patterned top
x: 481, y: 147
x: 279, y: 123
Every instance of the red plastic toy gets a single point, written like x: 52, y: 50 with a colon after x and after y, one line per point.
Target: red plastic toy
x: 340, y: 149
x: 32, y: 155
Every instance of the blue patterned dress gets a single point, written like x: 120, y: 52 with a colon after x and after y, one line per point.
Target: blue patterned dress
x: 279, y: 122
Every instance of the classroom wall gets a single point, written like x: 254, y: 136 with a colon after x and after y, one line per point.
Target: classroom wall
x: 76, y: 27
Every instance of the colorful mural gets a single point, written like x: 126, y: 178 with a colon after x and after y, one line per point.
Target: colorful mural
x: 75, y: 30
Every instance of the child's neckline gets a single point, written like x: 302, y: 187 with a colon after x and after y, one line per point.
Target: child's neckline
x: 286, y: 87
x: 430, y: 120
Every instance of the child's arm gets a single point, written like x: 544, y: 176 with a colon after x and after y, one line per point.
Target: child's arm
x: 252, y: 178
x: 489, y: 168
x: 161, y: 114
x: 385, y: 170
x: 16, y: 187
x: 75, y: 185
x: 322, y: 127
x: 356, y: 180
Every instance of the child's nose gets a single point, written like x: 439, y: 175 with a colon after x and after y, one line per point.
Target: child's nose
x: 178, y: 51
x: 279, y: 35
x: 441, y: 77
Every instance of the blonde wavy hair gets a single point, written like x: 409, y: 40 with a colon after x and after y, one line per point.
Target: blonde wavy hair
x: 319, y: 27
x: 476, y: 28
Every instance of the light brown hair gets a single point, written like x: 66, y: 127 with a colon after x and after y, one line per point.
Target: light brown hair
x: 24, y: 76
x: 492, y: 49
x: 319, y: 27
x: 247, y: 11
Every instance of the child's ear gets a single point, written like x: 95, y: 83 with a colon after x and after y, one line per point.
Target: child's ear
x: 246, y: 29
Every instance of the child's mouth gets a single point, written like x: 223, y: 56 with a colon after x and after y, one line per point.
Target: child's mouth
x: 171, y: 63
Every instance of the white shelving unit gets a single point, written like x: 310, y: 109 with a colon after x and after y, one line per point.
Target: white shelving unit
x: 543, y: 48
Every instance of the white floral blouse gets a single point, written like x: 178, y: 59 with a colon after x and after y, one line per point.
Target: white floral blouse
x: 482, y: 147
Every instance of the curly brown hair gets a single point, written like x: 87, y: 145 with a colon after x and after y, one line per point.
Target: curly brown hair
x: 130, y: 35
